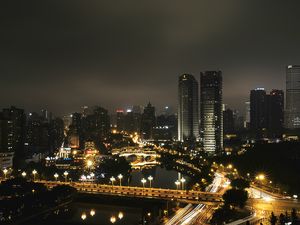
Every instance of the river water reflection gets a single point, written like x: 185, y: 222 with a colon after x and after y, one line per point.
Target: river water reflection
x: 162, y: 178
x: 105, y: 213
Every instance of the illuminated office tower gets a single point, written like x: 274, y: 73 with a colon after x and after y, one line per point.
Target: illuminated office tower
x: 292, y: 108
x: 211, y: 119
x: 188, y: 112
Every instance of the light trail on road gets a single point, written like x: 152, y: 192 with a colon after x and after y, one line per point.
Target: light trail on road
x: 199, y: 212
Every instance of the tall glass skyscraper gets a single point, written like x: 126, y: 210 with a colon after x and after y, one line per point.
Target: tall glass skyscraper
x: 292, y: 109
x: 211, y: 118
x: 188, y: 111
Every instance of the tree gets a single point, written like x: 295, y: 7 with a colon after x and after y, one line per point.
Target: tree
x: 282, y: 219
x: 273, y: 219
x: 235, y: 197
x: 240, y: 183
x: 287, y: 217
x: 222, y: 215
x: 294, y: 217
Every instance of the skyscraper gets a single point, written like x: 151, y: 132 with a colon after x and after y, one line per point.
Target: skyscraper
x: 247, y: 115
x: 13, y: 132
x: 292, y: 110
x: 211, y: 118
x: 15, y: 135
x: 188, y: 112
x: 148, y: 122
x: 274, y: 113
x: 266, y: 113
x: 258, y: 111
x: 228, y: 121
x: 120, y: 120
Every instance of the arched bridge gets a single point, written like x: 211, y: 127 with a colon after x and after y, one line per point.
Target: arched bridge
x: 128, y: 151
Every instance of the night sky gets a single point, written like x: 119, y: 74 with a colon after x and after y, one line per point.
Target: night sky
x: 62, y: 54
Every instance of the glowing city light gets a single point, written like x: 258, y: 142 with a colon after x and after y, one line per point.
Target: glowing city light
x: 120, y: 215
x: 83, y: 216
x: 113, y: 219
x: 92, y: 212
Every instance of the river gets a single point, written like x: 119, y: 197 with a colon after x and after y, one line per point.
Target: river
x: 107, y: 211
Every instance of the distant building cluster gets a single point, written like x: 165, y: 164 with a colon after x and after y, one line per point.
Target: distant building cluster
x: 202, y: 122
x: 269, y: 118
x: 145, y: 122
x: 211, y: 123
x: 27, y: 136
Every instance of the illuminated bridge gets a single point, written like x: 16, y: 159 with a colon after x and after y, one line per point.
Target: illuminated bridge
x: 128, y: 151
x: 189, y: 196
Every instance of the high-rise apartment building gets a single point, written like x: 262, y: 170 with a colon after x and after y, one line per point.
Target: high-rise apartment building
x: 275, y: 113
x: 12, y: 133
x: 148, y: 122
x: 292, y: 109
x: 266, y: 113
x: 211, y: 119
x: 228, y: 121
x: 247, y: 115
x: 258, y: 111
x: 188, y: 108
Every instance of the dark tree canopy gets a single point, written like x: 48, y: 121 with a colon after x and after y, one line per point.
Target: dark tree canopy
x: 240, y: 183
x: 235, y: 198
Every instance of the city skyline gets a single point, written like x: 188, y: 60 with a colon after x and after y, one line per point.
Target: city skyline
x: 150, y: 112
x: 65, y: 56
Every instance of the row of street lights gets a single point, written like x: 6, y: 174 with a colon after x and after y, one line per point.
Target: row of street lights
x: 181, y: 181
x: 34, y: 173
x: 143, y: 180
x: 66, y: 173
x: 112, y: 179
x: 88, y: 177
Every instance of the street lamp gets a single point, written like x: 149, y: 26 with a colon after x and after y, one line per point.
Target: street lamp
x: 5, y: 172
x: 66, y: 175
x: 120, y: 215
x: 177, y: 182
x: 56, y: 176
x: 92, y: 175
x: 83, y: 178
x: 113, y: 219
x: 112, y: 179
x: 83, y: 216
x: 92, y: 212
x: 34, y: 172
x: 150, y: 178
x: 120, y: 176
x: 89, y: 163
x: 23, y: 174
x: 261, y: 176
x: 143, y: 182
x: 182, y: 181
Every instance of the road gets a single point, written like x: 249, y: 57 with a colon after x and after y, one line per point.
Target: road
x: 186, y: 196
x: 201, y: 213
x: 262, y: 206
x: 264, y: 203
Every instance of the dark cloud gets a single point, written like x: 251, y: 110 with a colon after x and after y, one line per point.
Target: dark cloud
x: 64, y: 54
